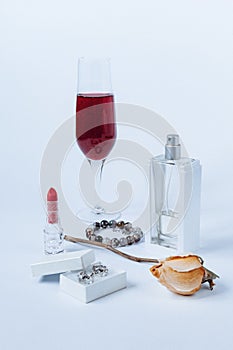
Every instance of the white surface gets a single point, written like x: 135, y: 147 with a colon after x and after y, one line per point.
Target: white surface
x: 52, y: 264
x: 101, y: 287
x: 174, y: 57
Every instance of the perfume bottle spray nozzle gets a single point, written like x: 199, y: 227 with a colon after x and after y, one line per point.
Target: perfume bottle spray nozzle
x: 172, y: 147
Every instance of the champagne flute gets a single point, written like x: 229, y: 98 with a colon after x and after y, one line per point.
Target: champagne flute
x: 95, y: 122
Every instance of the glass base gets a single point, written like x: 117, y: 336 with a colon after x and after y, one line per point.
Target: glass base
x: 167, y: 241
x: 96, y: 215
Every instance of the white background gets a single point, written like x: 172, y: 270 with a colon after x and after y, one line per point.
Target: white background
x: 174, y: 57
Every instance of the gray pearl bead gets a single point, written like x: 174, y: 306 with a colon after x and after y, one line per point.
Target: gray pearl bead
x: 114, y: 242
x: 99, y: 239
x: 112, y: 223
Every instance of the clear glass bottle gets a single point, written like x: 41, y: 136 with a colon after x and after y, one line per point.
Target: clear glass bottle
x: 53, y: 239
x: 175, y: 189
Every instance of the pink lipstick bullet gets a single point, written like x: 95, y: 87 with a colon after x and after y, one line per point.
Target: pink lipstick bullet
x: 53, y: 232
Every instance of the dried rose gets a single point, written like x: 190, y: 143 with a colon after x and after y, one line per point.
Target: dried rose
x: 183, y: 274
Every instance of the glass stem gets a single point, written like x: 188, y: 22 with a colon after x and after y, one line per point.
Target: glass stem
x: 97, y: 170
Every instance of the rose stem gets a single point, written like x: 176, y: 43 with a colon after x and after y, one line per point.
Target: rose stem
x: 102, y: 245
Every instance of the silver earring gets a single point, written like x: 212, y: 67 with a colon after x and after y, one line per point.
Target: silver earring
x: 86, y: 278
x: 100, y: 270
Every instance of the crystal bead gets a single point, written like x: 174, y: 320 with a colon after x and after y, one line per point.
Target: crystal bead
x: 107, y: 241
x: 123, y: 241
x: 128, y: 226
x: 130, y: 240
x: 92, y: 237
x: 120, y: 224
x: 114, y: 242
x: 89, y: 231
x: 104, y: 224
x: 139, y: 231
x: 99, y: 239
x: 112, y: 223
x: 136, y: 237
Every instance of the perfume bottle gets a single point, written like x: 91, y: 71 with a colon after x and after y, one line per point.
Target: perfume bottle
x: 175, y: 190
x: 53, y: 232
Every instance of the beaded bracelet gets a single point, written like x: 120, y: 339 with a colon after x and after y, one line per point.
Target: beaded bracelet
x: 131, y: 235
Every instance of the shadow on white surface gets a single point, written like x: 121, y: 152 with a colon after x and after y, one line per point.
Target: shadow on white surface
x: 50, y: 279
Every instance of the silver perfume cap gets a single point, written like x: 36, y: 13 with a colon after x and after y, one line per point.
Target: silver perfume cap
x: 172, y: 147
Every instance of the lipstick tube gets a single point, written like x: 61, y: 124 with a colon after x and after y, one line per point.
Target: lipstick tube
x: 53, y: 232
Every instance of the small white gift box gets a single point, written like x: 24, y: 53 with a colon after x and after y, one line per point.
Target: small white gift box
x: 114, y: 281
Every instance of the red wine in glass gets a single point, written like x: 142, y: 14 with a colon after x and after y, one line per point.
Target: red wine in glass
x: 95, y: 124
x: 95, y: 128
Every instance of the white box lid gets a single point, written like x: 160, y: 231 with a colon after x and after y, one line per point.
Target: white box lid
x: 63, y: 262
